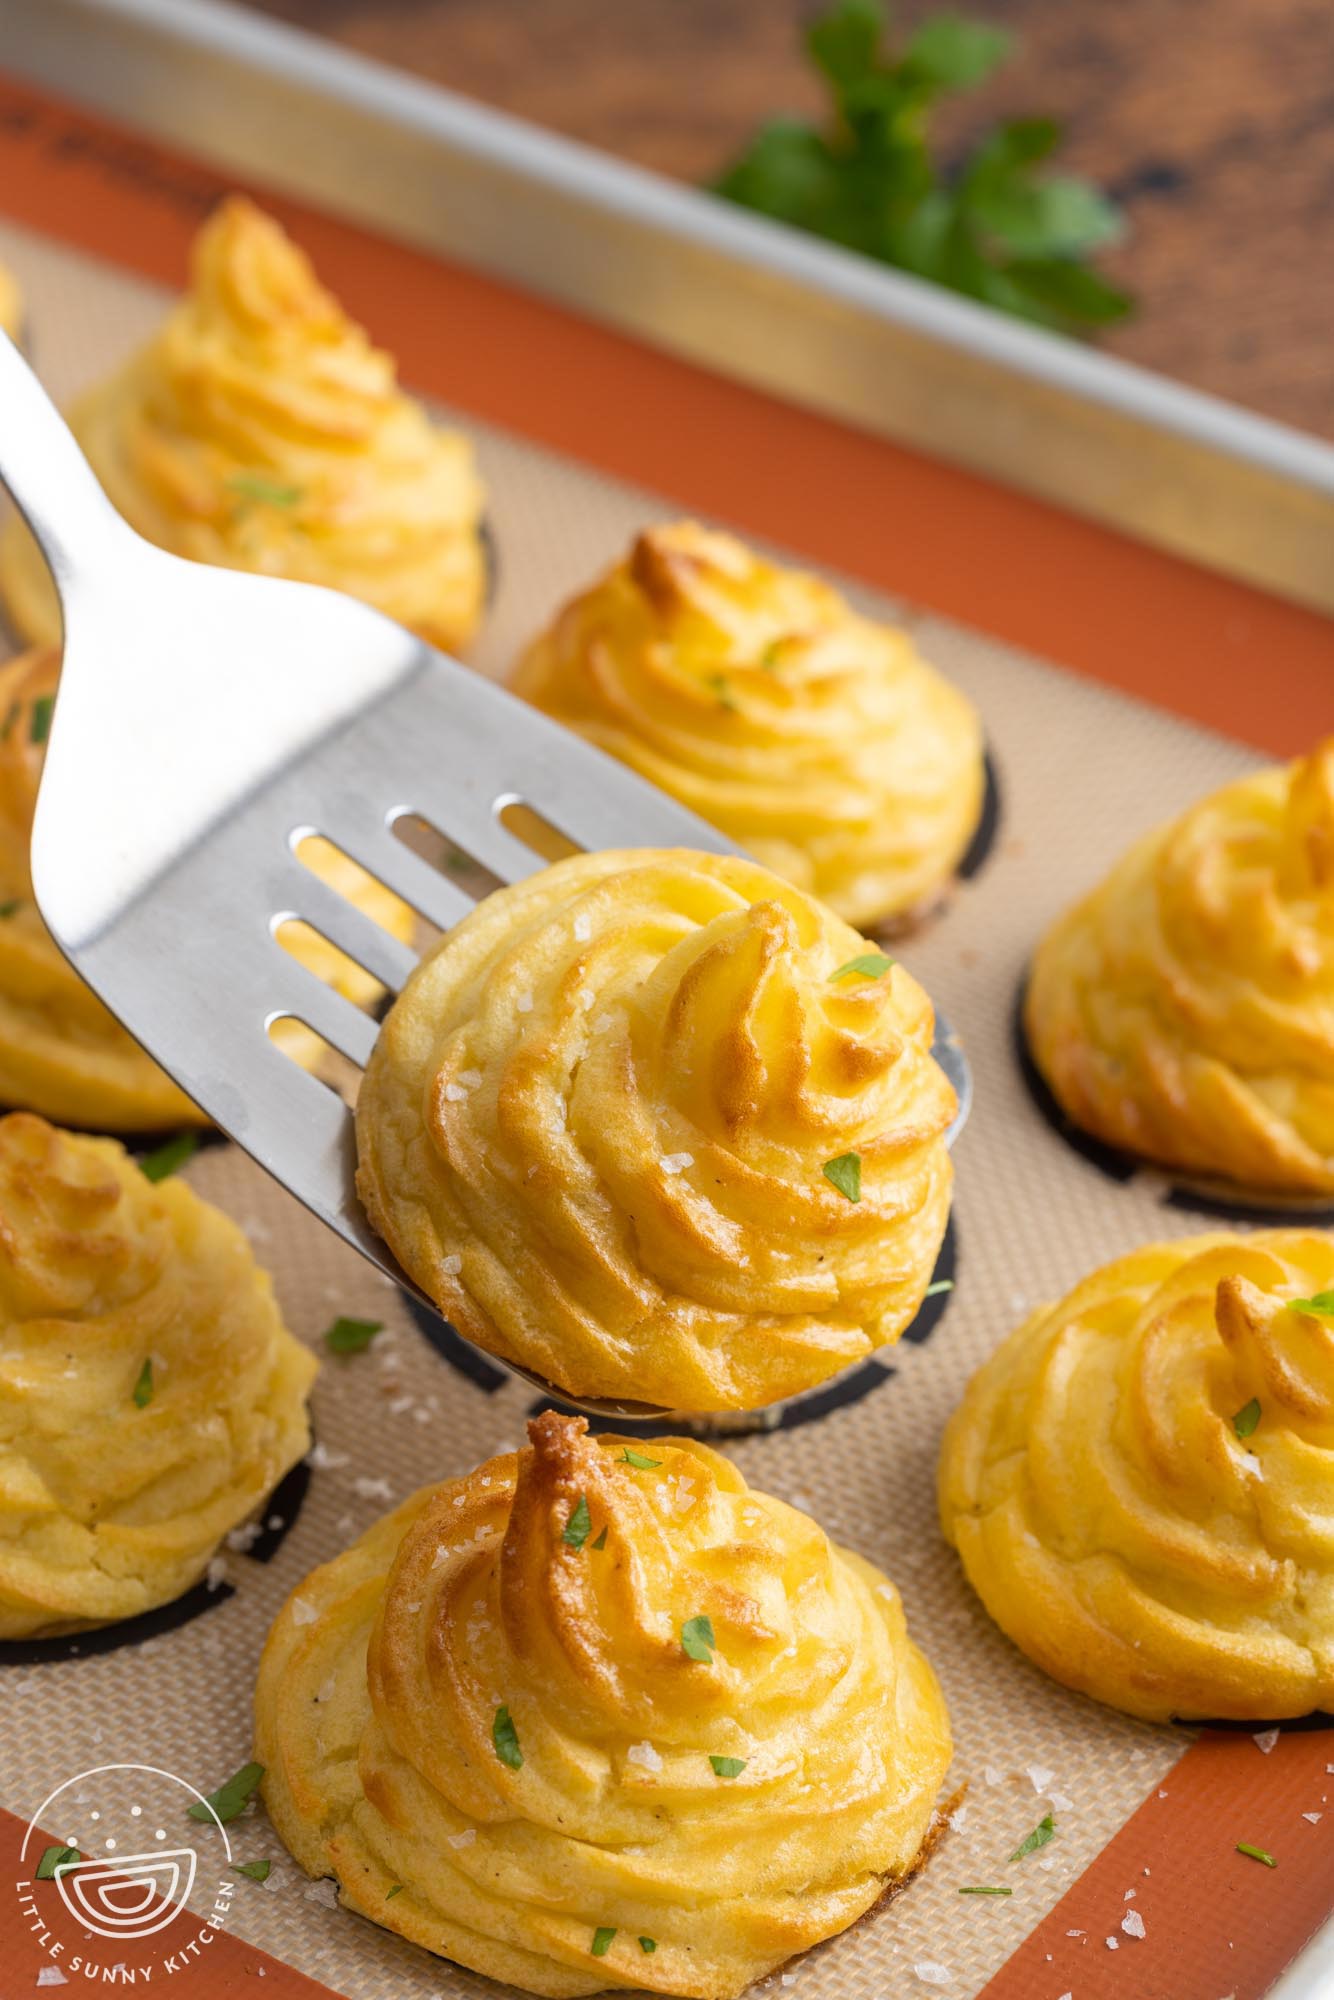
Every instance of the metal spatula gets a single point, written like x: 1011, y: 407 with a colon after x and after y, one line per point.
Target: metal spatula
x: 208, y: 721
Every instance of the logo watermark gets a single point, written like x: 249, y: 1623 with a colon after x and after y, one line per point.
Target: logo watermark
x: 133, y: 1843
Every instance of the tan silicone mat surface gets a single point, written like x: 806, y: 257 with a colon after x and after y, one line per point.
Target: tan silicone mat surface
x: 1082, y: 770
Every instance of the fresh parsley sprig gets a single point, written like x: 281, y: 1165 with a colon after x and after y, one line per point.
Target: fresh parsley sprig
x: 998, y: 227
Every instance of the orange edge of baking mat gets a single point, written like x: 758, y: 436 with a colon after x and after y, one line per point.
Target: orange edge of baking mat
x: 1216, y: 1923
x: 216, y: 1966
x: 1218, y: 651
x: 1125, y: 614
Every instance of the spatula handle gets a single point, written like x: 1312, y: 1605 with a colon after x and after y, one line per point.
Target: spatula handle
x: 55, y: 489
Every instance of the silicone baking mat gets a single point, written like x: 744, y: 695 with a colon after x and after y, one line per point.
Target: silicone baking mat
x: 1147, y: 1819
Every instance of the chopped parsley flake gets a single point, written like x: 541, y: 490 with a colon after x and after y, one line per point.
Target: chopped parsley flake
x: 721, y: 690
x: 1256, y: 1853
x: 390, y: 1894
x: 1041, y: 1834
x: 648, y: 1944
x: 39, y: 722
x: 351, y: 1336
x: 253, y: 486
x: 11, y: 717
x: 845, y: 1173
x: 602, y: 1938
x: 871, y: 963
x: 506, y: 1739
x: 230, y: 1800
x: 601, y: 1541
x: 1247, y: 1418
x: 143, y: 1388
x: 169, y: 1157
x: 940, y: 1286
x: 1323, y: 1302
x: 8, y: 909
x: 639, y: 1460
x: 981, y: 1890
x: 53, y: 1858
x: 579, y: 1525
x: 254, y: 1871
x: 728, y: 1767
x: 698, y: 1640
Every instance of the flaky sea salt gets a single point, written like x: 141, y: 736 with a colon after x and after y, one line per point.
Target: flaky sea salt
x: 216, y: 1575
x: 1113, y: 1944
x: 372, y: 1489
x: 583, y: 928
x: 1315, y: 1818
x: 645, y: 1756
x: 51, y: 1975
x: 1132, y: 1923
x: 464, y: 1839
x: 323, y: 1892
x: 1040, y: 1777
x: 1265, y: 1739
x: 323, y: 1460
x: 302, y: 1612
x: 992, y: 1776
x: 524, y: 1003
x: 243, y: 1537
x: 451, y: 1265
x: 931, y: 1973
x: 676, y: 1163
x: 455, y: 1093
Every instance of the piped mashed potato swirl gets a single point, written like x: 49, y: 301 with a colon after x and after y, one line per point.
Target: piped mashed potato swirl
x: 486, y: 1706
x: 1185, y: 1010
x: 260, y: 430
x: 819, y: 740
x: 61, y: 1053
x: 150, y: 1395
x: 1139, y: 1481
x: 595, y: 1126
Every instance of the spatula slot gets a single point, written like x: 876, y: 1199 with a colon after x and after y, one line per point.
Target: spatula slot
x: 464, y: 870
x: 535, y: 831
x: 321, y: 1061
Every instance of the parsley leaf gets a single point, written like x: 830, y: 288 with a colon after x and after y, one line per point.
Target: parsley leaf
x: 1247, y: 1418
x: 998, y: 227
x: 648, y: 1944
x: 871, y: 963
x: 255, y: 1871
x: 351, y: 1336
x: 602, y: 1938
x: 728, y: 1767
x: 53, y: 1858
x: 8, y: 909
x: 845, y: 1173
x: 697, y: 1639
x: 579, y: 1526
x: 639, y: 1460
x: 39, y: 719
x: 1041, y: 1834
x: 390, y: 1894
x: 168, y: 1158
x: 601, y: 1541
x: 230, y: 1800
x: 1256, y: 1853
x: 143, y: 1388
x: 1323, y: 1302
x: 505, y: 1737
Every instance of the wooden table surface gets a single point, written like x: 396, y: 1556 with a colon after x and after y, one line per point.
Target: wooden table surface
x: 1211, y: 120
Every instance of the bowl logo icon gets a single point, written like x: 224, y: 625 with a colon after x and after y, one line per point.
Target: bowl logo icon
x: 124, y: 1847
x: 132, y: 1896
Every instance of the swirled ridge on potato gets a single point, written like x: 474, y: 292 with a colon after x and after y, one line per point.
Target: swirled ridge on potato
x: 260, y: 430
x: 1139, y: 1481
x: 597, y: 1123
x: 1185, y: 1009
x: 820, y: 740
x: 150, y: 1395
x: 600, y: 1715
